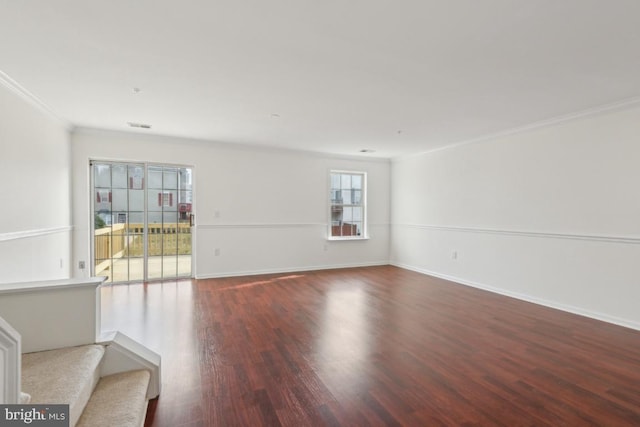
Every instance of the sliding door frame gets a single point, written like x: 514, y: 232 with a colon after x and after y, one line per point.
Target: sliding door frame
x: 145, y: 235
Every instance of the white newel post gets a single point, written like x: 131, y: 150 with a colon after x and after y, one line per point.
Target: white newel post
x: 10, y: 358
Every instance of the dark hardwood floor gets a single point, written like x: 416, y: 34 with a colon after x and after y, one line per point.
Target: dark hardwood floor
x: 373, y: 346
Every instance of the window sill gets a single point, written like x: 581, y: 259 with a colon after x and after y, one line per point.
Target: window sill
x: 348, y: 238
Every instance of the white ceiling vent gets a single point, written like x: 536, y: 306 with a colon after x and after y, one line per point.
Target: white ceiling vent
x: 139, y: 125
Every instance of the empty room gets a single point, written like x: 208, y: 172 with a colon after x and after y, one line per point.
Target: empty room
x: 270, y: 213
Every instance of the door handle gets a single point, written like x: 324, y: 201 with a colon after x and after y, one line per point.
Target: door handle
x: 192, y: 219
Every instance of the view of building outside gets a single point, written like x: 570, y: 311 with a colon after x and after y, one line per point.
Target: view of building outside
x: 347, y: 204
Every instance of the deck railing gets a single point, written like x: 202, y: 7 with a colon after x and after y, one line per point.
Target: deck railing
x: 123, y: 240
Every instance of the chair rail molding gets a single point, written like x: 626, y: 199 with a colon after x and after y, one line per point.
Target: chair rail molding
x: 25, y: 234
x: 536, y: 234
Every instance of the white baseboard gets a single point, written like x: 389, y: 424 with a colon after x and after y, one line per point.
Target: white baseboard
x: 290, y: 269
x: 546, y: 303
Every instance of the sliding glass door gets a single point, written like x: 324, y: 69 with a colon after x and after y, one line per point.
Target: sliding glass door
x: 169, y: 201
x: 142, y: 221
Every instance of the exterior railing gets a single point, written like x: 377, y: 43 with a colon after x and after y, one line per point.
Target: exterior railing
x: 110, y: 241
x: 124, y: 240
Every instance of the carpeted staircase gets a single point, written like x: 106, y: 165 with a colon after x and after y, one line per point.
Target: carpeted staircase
x: 54, y: 351
x: 72, y: 376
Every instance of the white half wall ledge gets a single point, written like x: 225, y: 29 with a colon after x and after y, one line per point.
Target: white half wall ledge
x: 53, y: 314
x: 27, y: 287
x: 528, y: 298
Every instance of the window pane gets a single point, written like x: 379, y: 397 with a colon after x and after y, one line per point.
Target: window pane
x: 155, y: 177
x: 119, y: 199
x: 154, y: 218
x: 135, y: 247
x: 345, y: 181
x: 136, y: 177
x: 357, y: 229
x: 335, y: 230
x: 169, y: 266
x: 102, y: 200
x: 136, y: 200
x: 357, y: 197
x: 103, y: 268
x: 102, y: 175
x: 170, y: 217
x: 136, y: 219
x: 346, y: 197
x: 184, y: 177
x: 185, y: 197
x: 356, y: 181
x: 170, y: 180
x: 356, y: 214
x: 184, y: 261
x: 154, y: 241
x: 120, y: 218
x: 170, y: 200
x: 335, y: 181
x: 154, y: 200
x: 154, y: 264
x: 136, y: 268
x: 119, y: 176
x: 336, y: 197
x: 347, y: 214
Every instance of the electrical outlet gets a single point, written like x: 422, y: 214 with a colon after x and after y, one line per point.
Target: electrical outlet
x: 216, y: 252
x: 454, y: 255
x: 81, y: 265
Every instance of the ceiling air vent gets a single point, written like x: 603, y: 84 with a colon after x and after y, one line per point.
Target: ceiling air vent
x: 139, y: 125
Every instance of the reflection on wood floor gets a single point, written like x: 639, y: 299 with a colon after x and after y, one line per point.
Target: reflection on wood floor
x: 373, y: 346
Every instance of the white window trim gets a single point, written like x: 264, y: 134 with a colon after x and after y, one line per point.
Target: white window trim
x: 365, y: 227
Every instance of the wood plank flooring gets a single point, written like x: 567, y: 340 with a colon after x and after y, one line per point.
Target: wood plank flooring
x: 373, y: 346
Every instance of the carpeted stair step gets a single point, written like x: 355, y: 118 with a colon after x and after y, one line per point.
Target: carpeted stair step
x: 67, y: 375
x: 118, y: 400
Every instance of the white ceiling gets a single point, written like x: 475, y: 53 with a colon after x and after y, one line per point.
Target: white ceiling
x: 342, y: 75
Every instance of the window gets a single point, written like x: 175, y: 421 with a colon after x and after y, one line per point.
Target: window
x: 348, y: 205
x: 165, y: 199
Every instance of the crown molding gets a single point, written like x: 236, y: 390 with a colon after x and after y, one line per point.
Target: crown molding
x: 235, y: 146
x: 33, y: 100
x: 589, y: 112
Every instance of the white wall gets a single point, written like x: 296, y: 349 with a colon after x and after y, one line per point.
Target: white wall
x: 266, y: 210
x: 550, y: 215
x: 35, y: 193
